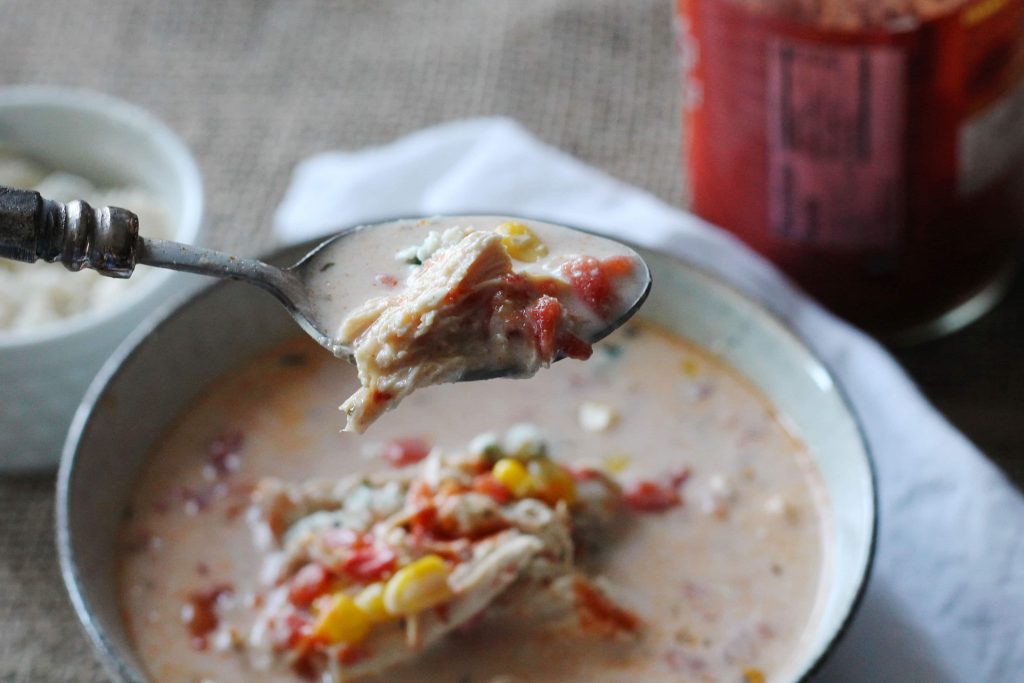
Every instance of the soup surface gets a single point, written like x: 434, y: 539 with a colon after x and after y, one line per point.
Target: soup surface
x: 726, y: 584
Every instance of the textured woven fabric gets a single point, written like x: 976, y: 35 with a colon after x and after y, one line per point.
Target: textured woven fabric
x: 255, y: 85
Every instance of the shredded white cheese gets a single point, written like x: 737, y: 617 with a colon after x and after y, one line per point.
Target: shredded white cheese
x: 434, y: 242
x: 524, y: 440
x: 597, y: 417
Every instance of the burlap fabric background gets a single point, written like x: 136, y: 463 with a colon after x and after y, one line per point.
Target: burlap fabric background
x: 255, y: 85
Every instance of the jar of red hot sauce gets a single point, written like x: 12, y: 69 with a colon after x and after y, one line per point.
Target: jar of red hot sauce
x: 873, y: 149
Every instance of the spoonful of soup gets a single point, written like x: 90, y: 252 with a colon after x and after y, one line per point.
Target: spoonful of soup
x: 412, y: 302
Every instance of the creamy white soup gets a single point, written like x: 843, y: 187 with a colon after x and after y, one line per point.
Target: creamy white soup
x: 711, y: 569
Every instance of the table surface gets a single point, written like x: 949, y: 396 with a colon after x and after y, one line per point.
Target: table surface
x: 253, y: 86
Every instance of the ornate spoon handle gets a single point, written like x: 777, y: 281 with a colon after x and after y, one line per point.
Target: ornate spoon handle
x: 79, y: 236
x: 107, y: 240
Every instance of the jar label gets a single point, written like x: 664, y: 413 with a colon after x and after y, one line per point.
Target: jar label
x: 874, y: 152
x: 856, y: 140
x: 835, y: 135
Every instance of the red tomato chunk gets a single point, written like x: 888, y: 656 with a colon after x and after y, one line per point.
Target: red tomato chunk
x: 572, y: 346
x: 618, y: 266
x: 649, y: 496
x: 489, y: 486
x: 308, y: 584
x: 544, y: 315
x: 349, y: 655
x: 405, y: 452
x: 597, y: 610
x: 292, y: 631
x: 591, y: 279
x: 200, y: 613
x: 370, y: 563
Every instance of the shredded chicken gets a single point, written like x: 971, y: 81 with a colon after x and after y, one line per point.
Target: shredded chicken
x: 464, y: 310
x: 496, y: 548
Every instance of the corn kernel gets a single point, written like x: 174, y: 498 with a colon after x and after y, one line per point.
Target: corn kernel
x: 521, y: 243
x: 371, y: 601
x: 418, y: 586
x: 595, y: 416
x: 341, y: 621
x: 616, y: 463
x: 514, y: 476
x: 552, y: 482
x: 752, y: 675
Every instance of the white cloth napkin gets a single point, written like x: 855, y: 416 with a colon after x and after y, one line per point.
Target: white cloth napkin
x: 946, y: 598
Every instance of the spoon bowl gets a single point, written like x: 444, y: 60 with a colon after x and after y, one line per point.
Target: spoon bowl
x: 352, y: 266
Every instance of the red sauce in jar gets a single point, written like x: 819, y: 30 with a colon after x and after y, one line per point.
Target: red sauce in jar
x: 874, y: 154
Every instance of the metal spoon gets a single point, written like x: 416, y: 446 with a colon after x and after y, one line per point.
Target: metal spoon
x: 107, y: 240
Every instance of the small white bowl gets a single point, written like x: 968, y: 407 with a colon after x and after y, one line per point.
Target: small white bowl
x: 44, y: 371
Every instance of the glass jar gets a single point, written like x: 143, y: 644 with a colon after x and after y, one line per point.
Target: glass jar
x: 873, y: 150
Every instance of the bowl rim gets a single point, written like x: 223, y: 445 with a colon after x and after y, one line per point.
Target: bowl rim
x: 110, y: 656
x: 189, y: 219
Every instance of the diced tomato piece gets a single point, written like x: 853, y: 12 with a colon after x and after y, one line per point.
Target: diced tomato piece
x: 420, y: 494
x: 404, y: 452
x: 592, y: 279
x: 299, y: 630
x: 421, y: 524
x: 572, y: 346
x: 678, y: 477
x: 351, y: 654
x: 306, y: 667
x: 649, y: 496
x: 584, y: 474
x: 596, y: 609
x: 590, y: 283
x: 618, y: 266
x: 291, y: 631
x: 424, y: 517
x: 379, y: 396
x: 443, y: 612
x: 547, y: 286
x: 544, y: 314
x: 489, y: 486
x: 201, y: 613
x: 308, y: 659
x: 295, y: 632
x: 370, y: 564
x: 308, y: 584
